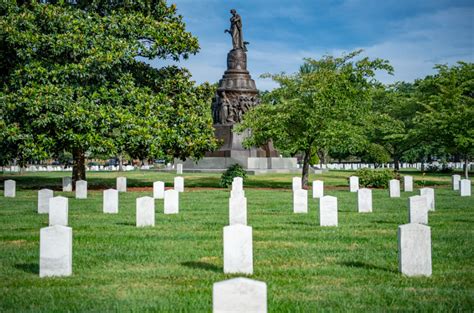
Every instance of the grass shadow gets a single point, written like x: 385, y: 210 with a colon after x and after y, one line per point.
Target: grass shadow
x: 32, y: 268
x: 126, y: 224
x: 366, y: 266
x: 203, y: 266
x: 384, y: 222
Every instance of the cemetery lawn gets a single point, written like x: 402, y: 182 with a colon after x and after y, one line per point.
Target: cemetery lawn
x: 172, y: 266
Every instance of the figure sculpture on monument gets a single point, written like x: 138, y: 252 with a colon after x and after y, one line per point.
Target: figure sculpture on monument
x: 236, y: 31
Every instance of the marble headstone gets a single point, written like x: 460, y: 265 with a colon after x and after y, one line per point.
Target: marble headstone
x: 43, y: 200
x: 10, y: 188
x: 159, y: 190
x: 408, y: 183
x: 364, y: 200
x: 238, y: 251
x: 418, y: 210
x: 328, y: 211
x: 122, y: 184
x: 179, y: 184
x: 353, y: 183
x: 430, y: 197
x: 296, y: 183
x: 300, y: 201
x: 465, y: 186
x: 239, y: 295
x: 110, y: 201
x: 394, y: 185
x: 318, y: 189
x: 237, y: 210
x: 171, y: 203
x: 55, y: 251
x: 179, y: 169
x: 58, y: 211
x: 456, y: 179
x: 81, y: 189
x: 145, y: 211
x: 414, y: 249
x: 67, y: 184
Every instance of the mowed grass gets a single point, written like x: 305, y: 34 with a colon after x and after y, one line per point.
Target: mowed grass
x: 172, y: 266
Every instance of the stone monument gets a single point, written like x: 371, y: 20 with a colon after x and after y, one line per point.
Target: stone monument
x: 236, y: 95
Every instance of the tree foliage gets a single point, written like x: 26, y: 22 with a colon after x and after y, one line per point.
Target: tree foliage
x: 74, y: 80
x: 325, y: 105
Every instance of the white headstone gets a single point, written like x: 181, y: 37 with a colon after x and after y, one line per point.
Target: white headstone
x: 318, y: 189
x: 408, y: 183
x: 239, y: 295
x: 158, y: 190
x: 238, y: 183
x: 179, y: 184
x: 171, y: 202
x: 394, y: 185
x: 237, y: 193
x: 67, y: 184
x: 179, y: 169
x: 418, y: 210
x: 296, y: 183
x: 237, y: 210
x: 414, y: 249
x: 430, y: 197
x: 81, y: 189
x: 300, y: 201
x: 110, y: 201
x: 328, y: 211
x: 55, y: 251
x: 238, y: 256
x: 43, y: 200
x: 145, y: 211
x: 465, y: 188
x: 122, y: 184
x: 10, y: 188
x: 353, y: 183
x: 456, y: 179
x: 58, y: 211
x: 364, y: 200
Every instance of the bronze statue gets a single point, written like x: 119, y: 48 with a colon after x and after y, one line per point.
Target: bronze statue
x: 236, y: 31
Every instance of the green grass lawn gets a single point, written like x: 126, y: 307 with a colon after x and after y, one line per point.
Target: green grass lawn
x: 172, y: 266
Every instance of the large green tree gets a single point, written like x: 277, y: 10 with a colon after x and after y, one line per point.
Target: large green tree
x: 325, y: 104
x: 447, y: 117
x: 74, y: 79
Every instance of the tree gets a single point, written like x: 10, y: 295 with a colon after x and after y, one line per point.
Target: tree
x: 392, y: 127
x: 74, y: 80
x: 447, y: 118
x: 325, y: 104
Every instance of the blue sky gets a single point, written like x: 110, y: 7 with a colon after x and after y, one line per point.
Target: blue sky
x: 413, y: 35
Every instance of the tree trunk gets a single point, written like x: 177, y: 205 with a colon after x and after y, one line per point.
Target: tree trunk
x: 120, y: 158
x: 396, y: 163
x: 304, y: 178
x: 79, y: 165
x: 466, y: 167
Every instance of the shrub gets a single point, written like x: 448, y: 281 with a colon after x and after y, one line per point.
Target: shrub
x: 375, y: 178
x: 227, y: 177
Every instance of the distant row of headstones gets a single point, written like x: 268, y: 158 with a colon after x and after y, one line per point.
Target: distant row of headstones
x: 419, y: 166
x: 239, y: 294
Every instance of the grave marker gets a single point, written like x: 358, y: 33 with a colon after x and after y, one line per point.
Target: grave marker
x: 364, y: 200
x: 296, y: 185
x: 58, y: 211
x: 43, y: 200
x: 81, y: 189
x: 239, y: 295
x: 456, y: 180
x: 353, y: 183
x: 159, y: 190
x: 145, y: 211
x: 394, y: 191
x: 414, y: 249
x: 300, y: 201
x: 430, y: 197
x: 10, y: 188
x: 237, y: 210
x: 110, y: 202
x: 465, y: 187
x: 67, y: 184
x: 171, y: 203
x: 55, y: 251
x: 408, y: 183
x: 328, y: 211
x: 122, y: 184
x: 179, y: 184
x: 418, y: 210
x: 238, y: 252
x: 318, y: 189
